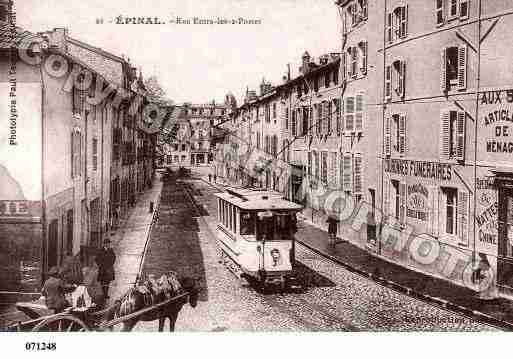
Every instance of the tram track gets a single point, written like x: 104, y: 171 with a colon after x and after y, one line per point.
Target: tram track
x: 317, y: 310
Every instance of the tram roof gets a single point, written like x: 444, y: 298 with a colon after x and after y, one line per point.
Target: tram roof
x: 251, y: 199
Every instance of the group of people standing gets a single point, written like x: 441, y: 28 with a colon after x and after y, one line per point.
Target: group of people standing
x: 95, y: 278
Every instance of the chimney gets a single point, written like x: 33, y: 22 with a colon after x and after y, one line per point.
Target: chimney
x: 305, y: 67
x: 323, y: 60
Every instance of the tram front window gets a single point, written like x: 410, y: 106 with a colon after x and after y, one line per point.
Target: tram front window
x: 247, y: 223
x: 283, y: 224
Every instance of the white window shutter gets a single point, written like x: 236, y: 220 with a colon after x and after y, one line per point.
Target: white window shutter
x: 403, y: 27
x: 402, y: 202
x: 347, y: 172
x: 349, y: 58
x: 402, y: 78
x: 349, y: 111
x: 463, y: 213
x: 388, y: 83
x: 359, y: 113
x: 460, y: 136
x: 402, y: 134
x: 388, y: 139
x: 444, y: 135
x: 443, y: 70
x: 462, y: 67
x: 386, y: 196
x: 358, y: 181
x: 365, y: 49
x: 439, y: 4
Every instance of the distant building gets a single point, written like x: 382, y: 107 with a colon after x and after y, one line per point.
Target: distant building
x: 188, y: 133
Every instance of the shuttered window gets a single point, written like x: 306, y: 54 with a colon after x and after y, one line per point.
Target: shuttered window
x: 354, y: 61
x: 388, y: 136
x: 403, y: 22
x: 386, y: 196
x: 329, y: 123
x: 324, y: 167
x: 464, y: 10
x: 349, y: 113
x: 363, y: 62
x: 338, y: 116
x: 333, y: 171
x: 453, y: 71
x: 462, y: 67
x: 359, y: 113
x: 402, y: 135
x: 95, y: 154
x: 453, y: 9
x: 293, y: 123
x: 388, y: 83
x: 439, y: 12
x: 320, y: 118
x: 452, y: 135
x: 358, y: 181
x: 347, y: 172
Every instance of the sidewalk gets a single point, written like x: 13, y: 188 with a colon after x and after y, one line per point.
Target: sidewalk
x: 129, y: 241
x: 441, y: 292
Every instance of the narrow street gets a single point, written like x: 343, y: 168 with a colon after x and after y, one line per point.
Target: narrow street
x: 183, y: 240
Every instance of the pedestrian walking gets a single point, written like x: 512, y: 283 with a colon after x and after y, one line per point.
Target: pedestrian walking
x: 105, y: 260
x: 209, y: 177
x: 332, y: 230
x: 215, y: 178
x: 54, y: 290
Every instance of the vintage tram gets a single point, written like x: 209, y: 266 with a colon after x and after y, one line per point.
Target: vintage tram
x: 256, y: 235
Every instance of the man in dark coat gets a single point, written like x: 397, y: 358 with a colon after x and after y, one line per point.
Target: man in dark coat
x: 332, y: 230
x: 105, y: 260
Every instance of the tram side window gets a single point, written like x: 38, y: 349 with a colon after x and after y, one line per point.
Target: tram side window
x: 230, y: 215
x: 234, y: 219
x: 247, y: 223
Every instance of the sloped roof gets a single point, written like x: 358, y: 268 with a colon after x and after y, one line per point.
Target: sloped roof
x: 22, y: 38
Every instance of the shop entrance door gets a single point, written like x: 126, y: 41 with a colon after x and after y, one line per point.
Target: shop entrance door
x: 505, y: 260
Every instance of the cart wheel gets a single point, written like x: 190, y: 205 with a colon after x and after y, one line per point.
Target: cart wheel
x: 61, y: 323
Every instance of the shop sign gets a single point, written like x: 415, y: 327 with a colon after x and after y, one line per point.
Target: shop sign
x: 19, y: 209
x: 421, y: 169
x: 417, y: 203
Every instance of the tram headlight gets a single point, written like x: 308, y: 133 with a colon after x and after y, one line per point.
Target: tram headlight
x: 276, y: 256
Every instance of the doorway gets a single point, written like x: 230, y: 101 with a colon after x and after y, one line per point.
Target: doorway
x: 53, y: 230
x: 505, y: 226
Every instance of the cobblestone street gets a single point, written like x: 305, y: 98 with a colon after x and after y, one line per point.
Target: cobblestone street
x: 183, y: 240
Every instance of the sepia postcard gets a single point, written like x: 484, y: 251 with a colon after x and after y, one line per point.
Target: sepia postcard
x: 255, y: 166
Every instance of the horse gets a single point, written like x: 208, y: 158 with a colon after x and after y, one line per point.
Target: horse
x: 152, y: 292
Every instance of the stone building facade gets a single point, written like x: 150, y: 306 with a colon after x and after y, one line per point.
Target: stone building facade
x: 60, y: 162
